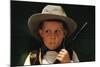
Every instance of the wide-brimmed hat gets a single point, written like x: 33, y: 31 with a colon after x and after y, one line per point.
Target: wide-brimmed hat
x: 50, y: 12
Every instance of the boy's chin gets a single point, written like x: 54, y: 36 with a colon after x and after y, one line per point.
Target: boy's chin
x: 52, y: 48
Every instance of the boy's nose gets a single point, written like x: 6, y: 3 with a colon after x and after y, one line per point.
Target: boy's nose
x: 53, y: 36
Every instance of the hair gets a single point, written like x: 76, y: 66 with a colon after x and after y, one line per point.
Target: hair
x: 59, y: 21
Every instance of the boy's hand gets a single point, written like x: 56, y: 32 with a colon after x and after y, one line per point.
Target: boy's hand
x: 63, y: 56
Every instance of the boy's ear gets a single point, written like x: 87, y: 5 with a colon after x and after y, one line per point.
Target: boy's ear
x: 40, y: 32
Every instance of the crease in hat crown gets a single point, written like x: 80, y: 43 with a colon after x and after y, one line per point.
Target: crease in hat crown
x: 54, y: 9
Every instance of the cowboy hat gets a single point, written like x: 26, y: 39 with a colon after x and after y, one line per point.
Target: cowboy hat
x: 50, y: 12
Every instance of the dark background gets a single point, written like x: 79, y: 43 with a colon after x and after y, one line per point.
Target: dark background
x: 22, y: 41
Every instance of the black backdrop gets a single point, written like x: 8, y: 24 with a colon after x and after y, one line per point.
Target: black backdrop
x: 22, y: 41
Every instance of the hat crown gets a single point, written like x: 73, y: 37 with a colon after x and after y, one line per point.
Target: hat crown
x: 54, y: 9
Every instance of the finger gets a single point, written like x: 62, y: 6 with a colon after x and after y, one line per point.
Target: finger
x: 64, y: 50
x: 59, y: 55
x: 63, y: 53
x: 59, y: 58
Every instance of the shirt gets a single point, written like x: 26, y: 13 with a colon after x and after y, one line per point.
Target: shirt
x: 44, y: 60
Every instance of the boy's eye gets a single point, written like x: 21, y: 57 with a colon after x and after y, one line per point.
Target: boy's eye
x: 47, y: 31
x: 56, y: 31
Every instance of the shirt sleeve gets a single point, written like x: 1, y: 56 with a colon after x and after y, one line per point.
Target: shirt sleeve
x: 75, y: 58
x: 27, y: 61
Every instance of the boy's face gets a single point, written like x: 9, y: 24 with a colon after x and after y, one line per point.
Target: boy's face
x: 52, y: 34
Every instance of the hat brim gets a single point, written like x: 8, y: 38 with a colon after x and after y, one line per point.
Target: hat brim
x: 36, y: 19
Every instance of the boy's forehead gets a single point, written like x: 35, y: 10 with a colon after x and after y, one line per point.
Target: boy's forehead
x: 52, y: 23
